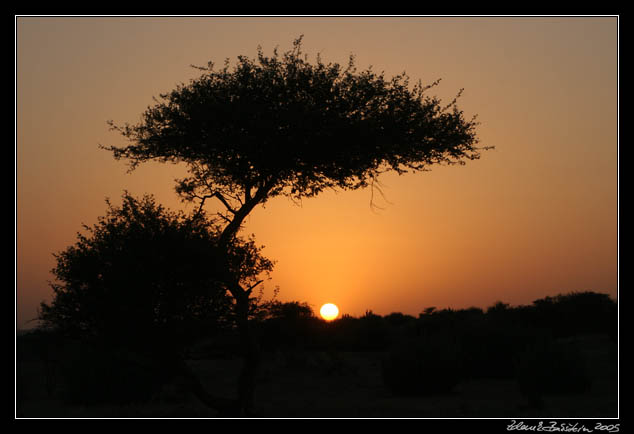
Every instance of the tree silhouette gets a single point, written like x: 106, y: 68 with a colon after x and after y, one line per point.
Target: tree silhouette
x: 151, y: 280
x: 282, y: 126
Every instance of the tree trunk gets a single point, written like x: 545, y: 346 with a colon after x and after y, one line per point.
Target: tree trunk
x: 244, y: 405
x: 250, y: 202
x: 250, y: 350
x: 251, y: 354
x: 224, y: 406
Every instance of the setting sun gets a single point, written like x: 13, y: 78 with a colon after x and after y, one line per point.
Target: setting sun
x: 329, y: 311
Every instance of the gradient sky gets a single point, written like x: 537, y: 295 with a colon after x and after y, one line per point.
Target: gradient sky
x: 537, y: 216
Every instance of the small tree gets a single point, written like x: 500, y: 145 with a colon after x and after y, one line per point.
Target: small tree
x: 149, y: 279
x: 282, y: 126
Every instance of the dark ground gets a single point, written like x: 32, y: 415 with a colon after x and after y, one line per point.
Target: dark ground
x: 338, y: 384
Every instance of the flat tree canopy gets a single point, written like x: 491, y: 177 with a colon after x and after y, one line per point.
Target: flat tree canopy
x: 281, y: 125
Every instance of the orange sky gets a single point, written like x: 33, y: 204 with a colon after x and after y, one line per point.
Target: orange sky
x: 537, y: 216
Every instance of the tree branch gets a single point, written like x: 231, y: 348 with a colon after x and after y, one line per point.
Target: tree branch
x: 222, y: 199
x: 224, y: 217
x: 247, y: 192
x: 218, y: 196
x: 248, y: 291
x: 239, y: 215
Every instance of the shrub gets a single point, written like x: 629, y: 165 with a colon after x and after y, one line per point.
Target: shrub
x: 578, y: 313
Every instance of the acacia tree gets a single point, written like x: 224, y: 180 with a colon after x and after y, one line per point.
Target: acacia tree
x: 283, y: 126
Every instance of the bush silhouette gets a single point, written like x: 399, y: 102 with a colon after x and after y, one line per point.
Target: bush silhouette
x: 149, y: 281
x: 145, y: 276
x: 577, y: 313
x: 288, y: 325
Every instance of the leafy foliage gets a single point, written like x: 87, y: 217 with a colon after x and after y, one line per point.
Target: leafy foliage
x: 281, y: 125
x: 147, y: 274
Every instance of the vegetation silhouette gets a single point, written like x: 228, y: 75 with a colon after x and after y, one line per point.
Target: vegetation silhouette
x: 282, y: 126
x: 538, y: 347
x: 136, y: 290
